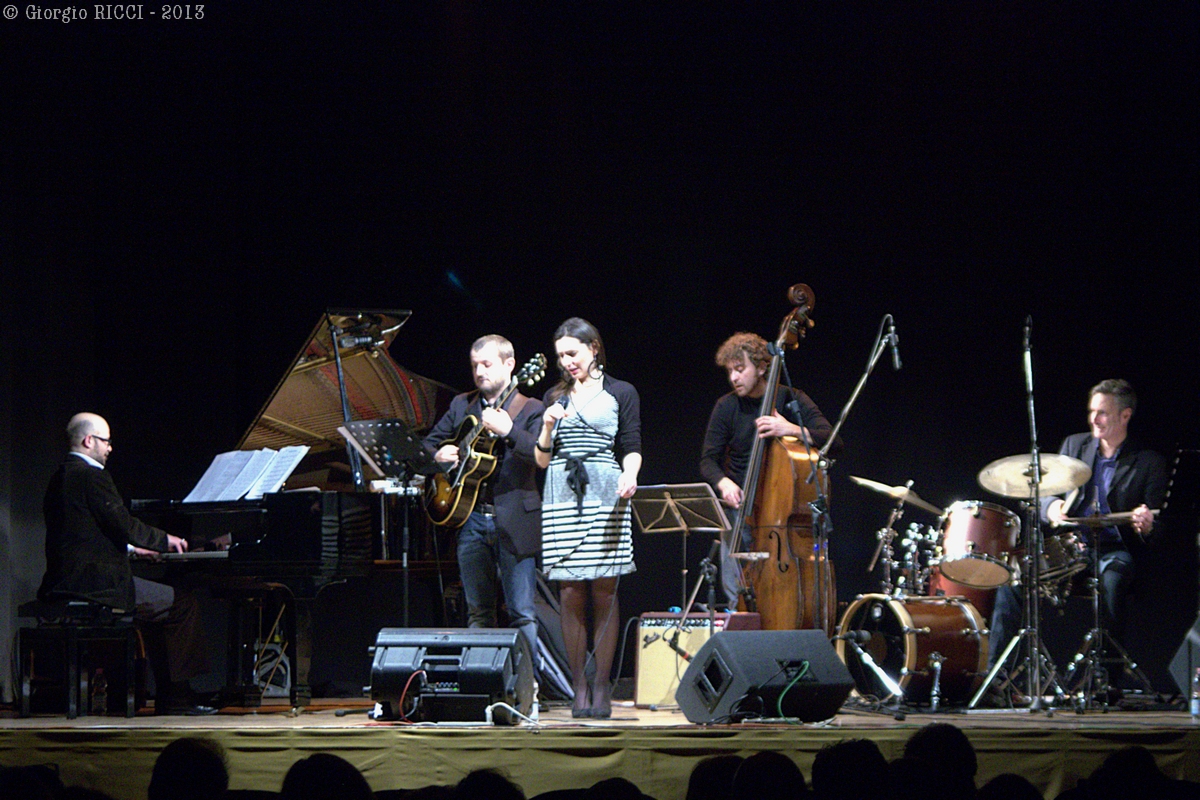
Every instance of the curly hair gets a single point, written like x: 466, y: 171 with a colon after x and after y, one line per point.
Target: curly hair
x: 750, y: 345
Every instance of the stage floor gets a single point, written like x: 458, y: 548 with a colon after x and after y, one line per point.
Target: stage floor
x: 656, y: 749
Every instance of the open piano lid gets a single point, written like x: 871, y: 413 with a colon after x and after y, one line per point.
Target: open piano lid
x: 306, y: 406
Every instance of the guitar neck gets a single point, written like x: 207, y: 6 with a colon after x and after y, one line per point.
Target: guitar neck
x: 477, y: 431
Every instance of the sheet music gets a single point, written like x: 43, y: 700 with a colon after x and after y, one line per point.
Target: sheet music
x: 220, y: 473
x: 232, y: 475
x: 277, y: 472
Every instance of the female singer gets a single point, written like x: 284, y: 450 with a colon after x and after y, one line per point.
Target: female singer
x: 590, y: 445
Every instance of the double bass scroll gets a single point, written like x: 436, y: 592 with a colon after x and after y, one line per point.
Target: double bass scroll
x: 793, y: 587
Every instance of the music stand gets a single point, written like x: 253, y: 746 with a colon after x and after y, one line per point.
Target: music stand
x: 392, y: 449
x: 679, y: 508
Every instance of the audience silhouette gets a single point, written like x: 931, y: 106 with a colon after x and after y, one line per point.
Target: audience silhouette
x: 712, y: 778
x: 769, y: 776
x: 950, y: 757
x: 190, y: 768
x: 850, y: 770
x: 487, y: 784
x: 324, y: 776
x: 939, y: 763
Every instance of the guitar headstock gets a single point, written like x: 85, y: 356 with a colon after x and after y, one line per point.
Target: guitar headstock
x: 533, y: 371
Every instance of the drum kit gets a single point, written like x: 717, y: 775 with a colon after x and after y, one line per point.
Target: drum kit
x: 923, y: 638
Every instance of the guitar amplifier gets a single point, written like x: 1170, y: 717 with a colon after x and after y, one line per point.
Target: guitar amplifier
x: 660, y: 666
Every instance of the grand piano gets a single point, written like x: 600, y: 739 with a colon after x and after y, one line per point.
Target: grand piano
x: 326, y: 527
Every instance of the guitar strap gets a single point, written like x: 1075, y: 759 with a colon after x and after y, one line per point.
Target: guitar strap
x: 516, y: 404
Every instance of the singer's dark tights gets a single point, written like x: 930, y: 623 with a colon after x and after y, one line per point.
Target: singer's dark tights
x: 573, y: 599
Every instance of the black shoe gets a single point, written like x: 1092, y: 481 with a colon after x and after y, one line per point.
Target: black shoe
x: 189, y: 711
x: 180, y: 701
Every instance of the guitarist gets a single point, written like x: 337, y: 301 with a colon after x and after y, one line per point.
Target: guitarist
x: 501, y: 540
x: 1125, y: 477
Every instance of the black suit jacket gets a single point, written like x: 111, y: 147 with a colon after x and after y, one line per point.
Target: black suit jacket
x: 87, y: 530
x: 514, y: 483
x: 1140, y: 476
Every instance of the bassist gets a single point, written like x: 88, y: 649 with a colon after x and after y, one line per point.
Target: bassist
x: 735, y: 422
x: 499, y: 543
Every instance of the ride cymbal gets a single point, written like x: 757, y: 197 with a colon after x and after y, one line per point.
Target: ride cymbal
x: 1010, y: 477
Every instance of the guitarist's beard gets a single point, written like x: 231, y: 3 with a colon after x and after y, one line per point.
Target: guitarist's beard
x: 490, y: 397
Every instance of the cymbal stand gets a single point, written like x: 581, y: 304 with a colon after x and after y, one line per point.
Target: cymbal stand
x: 886, y: 535
x: 1092, y: 655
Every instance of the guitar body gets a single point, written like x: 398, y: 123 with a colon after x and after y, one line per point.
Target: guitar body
x: 450, y: 497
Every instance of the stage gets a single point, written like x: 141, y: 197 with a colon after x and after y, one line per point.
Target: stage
x: 656, y: 749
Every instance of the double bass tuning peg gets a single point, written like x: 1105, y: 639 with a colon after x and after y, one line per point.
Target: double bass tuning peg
x: 798, y: 323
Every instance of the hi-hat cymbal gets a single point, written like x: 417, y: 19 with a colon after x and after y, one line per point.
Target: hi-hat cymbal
x: 1009, y: 477
x: 897, y: 493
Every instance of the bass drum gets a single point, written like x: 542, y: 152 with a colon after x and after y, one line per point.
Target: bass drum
x: 907, y: 636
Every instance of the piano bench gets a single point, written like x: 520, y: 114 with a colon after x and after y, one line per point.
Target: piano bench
x: 59, y: 645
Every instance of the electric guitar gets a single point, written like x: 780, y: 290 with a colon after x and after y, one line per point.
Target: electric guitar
x: 451, y: 496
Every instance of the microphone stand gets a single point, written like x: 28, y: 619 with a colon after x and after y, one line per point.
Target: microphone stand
x: 881, y: 343
x: 708, y: 574
x: 820, y: 506
x: 1037, y: 654
x: 335, y: 332
x: 894, y: 689
x: 1037, y: 657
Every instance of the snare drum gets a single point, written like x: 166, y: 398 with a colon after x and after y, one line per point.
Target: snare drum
x: 908, y: 636
x: 1063, y: 555
x: 977, y: 539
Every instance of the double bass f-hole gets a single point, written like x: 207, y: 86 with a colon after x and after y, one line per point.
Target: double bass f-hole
x: 779, y: 560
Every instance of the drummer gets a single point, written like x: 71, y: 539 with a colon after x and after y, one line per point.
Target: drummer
x: 1126, y: 477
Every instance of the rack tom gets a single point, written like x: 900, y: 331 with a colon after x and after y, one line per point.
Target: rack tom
x: 977, y: 541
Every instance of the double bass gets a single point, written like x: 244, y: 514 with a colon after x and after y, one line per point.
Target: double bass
x: 787, y: 574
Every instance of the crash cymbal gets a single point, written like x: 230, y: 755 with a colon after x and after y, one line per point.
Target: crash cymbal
x: 897, y: 493
x: 1009, y: 477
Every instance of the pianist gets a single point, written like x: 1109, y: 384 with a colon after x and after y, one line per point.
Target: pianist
x: 88, y: 533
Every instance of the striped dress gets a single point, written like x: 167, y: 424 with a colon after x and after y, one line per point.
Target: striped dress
x: 588, y: 537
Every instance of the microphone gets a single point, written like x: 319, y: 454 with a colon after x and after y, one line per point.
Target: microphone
x: 712, y: 551
x: 894, y: 341
x: 1028, y: 329
x: 858, y: 637
x: 564, y: 400
x: 673, y: 643
x: 357, y: 341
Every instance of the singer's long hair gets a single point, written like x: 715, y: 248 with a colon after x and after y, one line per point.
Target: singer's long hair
x: 585, y: 332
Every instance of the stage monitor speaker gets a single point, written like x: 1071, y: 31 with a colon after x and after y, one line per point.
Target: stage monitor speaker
x: 739, y: 675
x: 660, y: 640
x: 1187, y: 660
x: 452, y: 674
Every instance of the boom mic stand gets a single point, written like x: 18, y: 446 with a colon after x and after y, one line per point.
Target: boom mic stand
x: 820, y: 506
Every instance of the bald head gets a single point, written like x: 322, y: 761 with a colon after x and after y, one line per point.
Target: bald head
x: 89, y: 434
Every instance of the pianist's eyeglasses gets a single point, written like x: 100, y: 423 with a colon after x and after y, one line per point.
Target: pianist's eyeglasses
x: 105, y: 439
